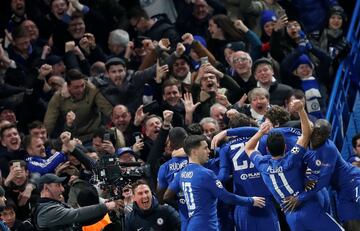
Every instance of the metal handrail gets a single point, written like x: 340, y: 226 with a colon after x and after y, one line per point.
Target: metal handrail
x: 339, y: 98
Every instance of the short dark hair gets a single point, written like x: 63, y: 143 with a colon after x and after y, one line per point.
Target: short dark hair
x: 22, y: 163
x: 76, y: 15
x: 138, y: 12
x: 10, y: 204
x: 171, y: 82
x: 194, y: 129
x: 192, y: 142
x: 275, y: 143
x: 177, y: 136
x: 299, y: 94
x: 101, y: 131
x: 138, y: 183
x: 7, y: 127
x: 354, y: 139
x: 241, y: 120
x: 277, y: 115
x: 19, y: 32
x: 51, y: 2
x: 36, y: 124
x: 72, y: 75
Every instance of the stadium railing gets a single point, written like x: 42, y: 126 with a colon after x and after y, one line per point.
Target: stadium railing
x: 344, y: 103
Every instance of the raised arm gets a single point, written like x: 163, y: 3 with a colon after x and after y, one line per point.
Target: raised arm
x: 306, y: 130
x: 250, y: 146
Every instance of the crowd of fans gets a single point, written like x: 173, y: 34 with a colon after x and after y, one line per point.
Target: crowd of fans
x: 82, y: 82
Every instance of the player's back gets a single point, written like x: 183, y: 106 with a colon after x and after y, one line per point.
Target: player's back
x: 166, y: 175
x: 168, y: 170
x: 290, y: 134
x: 247, y: 179
x: 285, y: 176
x: 201, y: 203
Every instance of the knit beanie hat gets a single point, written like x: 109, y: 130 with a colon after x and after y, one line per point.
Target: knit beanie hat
x: 338, y: 10
x: 88, y: 196
x: 267, y: 16
x: 119, y: 37
x: 303, y: 59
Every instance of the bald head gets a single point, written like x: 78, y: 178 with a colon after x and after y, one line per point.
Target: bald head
x: 321, y: 132
x: 121, y: 117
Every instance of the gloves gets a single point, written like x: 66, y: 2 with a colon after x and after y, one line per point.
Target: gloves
x: 304, y: 44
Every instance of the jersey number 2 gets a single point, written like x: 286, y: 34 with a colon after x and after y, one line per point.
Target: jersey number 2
x: 245, y: 163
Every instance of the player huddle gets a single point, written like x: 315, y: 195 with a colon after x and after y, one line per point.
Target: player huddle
x: 291, y: 166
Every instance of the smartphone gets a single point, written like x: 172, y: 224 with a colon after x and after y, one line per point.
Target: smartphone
x: 106, y: 136
x: 138, y: 136
x: 17, y: 165
x: 204, y: 60
x: 151, y: 107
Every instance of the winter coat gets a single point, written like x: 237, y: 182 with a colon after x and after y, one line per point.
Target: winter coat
x: 158, y: 217
x: 87, y: 111
x: 54, y: 215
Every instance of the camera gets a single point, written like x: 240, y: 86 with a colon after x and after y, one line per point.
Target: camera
x: 115, y: 174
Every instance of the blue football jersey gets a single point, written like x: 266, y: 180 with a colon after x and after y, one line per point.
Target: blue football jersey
x: 291, y: 135
x: 166, y: 175
x: 168, y: 169
x: 285, y: 176
x: 201, y: 190
x: 353, y: 158
x: 247, y: 179
x: 338, y: 172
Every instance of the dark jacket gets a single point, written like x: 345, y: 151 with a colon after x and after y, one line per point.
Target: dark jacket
x: 53, y: 215
x: 281, y: 45
x: 158, y: 217
x: 187, y: 23
x: 132, y: 86
x: 233, y: 94
x: 162, y: 29
x: 6, y: 157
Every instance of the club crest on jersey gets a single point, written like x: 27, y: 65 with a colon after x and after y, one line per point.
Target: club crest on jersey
x: 295, y: 150
x: 160, y: 221
x: 219, y: 184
